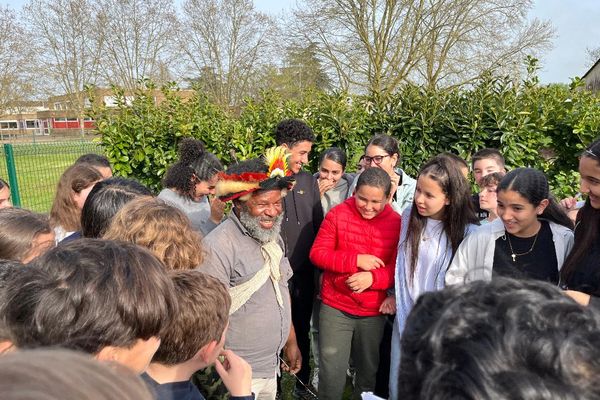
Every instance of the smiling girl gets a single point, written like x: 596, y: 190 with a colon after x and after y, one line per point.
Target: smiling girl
x: 530, y: 239
x: 383, y: 152
x: 334, y: 183
x: 581, y: 272
x: 356, y: 249
x: 189, y: 183
x: 441, y: 215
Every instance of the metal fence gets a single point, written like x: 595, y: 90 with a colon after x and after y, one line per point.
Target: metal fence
x: 33, y: 169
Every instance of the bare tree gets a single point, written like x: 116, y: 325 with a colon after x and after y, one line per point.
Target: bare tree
x: 139, y: 42
x: 369, y: 44
x: 465, y: 37
x: 225, y: 42
x: 67, y: 39
x: 15, y: 59
x: 374, y: 45
x: 593, y: 55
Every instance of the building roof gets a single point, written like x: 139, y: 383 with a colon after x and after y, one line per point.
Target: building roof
x: 591, y: 69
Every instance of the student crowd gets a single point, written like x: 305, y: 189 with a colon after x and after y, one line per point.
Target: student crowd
x: 415, y: 288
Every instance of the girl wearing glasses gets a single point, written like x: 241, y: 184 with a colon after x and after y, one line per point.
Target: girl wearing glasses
x: 581, y: 273
x: 382, y: 152
x: 531, y: 238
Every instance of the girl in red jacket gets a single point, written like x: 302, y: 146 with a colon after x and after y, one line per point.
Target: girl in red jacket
x: 356, y: 248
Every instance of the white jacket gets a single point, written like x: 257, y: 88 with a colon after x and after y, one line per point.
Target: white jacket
x: 474, y: 258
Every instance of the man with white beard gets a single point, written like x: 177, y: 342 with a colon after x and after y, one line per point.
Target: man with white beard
x: 246, y: 253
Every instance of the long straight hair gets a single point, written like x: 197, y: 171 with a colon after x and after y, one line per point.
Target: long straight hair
x: 458, y: 214
x: 586, y: 226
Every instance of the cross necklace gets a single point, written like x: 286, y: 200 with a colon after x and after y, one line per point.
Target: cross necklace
x: 512, y: 251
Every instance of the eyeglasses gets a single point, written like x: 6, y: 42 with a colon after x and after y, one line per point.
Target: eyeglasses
x: 376, y: 159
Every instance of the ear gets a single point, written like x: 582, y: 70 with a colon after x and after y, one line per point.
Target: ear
x: 207, y: 353
x: 285, y: 146
x: 394, y: 158
x: 108, y: 353
x: 447, y: 202
x: 542, y: 206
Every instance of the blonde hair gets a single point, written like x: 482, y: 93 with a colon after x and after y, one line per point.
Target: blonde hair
x: 163, y: 229
x: 64, y: 212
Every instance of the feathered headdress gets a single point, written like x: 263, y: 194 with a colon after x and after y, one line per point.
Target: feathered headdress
x: 268, y: 173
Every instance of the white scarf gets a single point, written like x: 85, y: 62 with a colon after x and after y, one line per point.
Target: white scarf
x: 240, y: 294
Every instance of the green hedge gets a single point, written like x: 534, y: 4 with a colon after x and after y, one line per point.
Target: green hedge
x: 533, y: 125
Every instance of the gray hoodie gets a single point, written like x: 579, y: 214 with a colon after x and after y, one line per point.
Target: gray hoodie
x: 337, y: 194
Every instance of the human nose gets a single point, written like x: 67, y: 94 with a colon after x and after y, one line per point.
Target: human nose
x: 583, y: 187
x: 418, y: 199
x: 272, y: 210
x: 505, y: 214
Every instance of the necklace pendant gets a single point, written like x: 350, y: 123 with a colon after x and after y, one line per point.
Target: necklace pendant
x: 514, y: 257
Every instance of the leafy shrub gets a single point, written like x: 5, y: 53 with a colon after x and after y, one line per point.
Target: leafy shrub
x: 544, y: 127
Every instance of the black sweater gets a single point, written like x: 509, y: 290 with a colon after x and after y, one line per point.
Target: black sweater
x: 586, y: 276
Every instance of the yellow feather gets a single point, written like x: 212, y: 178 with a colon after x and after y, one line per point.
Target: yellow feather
x: 276, y: 159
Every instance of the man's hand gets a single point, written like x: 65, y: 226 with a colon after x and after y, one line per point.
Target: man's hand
x: 217, y: 209
x: 367, y: 262
x: 360, y: 281
x: 292, y: 357
x: 235, y: 372
x: 388, y: 306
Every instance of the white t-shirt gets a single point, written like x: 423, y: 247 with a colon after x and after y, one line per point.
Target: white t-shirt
x: 433, y: 245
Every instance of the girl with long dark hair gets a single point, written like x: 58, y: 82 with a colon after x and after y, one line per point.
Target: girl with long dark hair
x: 432, y: 229
x: 580, y: 274
x: 531, y: 238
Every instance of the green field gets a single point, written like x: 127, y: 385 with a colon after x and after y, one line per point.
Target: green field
x: 39, y: 167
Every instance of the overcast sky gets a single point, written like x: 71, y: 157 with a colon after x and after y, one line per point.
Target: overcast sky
x: 576, y: 22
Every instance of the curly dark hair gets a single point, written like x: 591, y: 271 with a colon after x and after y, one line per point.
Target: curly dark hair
x: 505, y: 339
x: 195, y: 165
x: 292, y: 131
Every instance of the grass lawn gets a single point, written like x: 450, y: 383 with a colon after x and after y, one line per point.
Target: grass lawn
x: 39, y: 167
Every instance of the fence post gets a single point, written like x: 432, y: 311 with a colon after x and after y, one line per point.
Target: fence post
x: 12, y: 175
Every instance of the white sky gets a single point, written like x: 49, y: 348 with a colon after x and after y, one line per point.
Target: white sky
x: 576, y: 23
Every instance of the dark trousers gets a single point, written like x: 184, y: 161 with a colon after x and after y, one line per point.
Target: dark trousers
x: 385, y: 349
x: 342, y: 336
x: 302, y: 290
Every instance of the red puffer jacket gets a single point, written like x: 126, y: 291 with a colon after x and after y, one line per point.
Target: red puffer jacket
x: 345, y: 234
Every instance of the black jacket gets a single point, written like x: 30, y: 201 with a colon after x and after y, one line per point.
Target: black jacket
x: 303, y: 215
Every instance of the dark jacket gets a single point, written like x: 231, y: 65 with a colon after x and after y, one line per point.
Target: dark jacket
x: 303, y: 215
